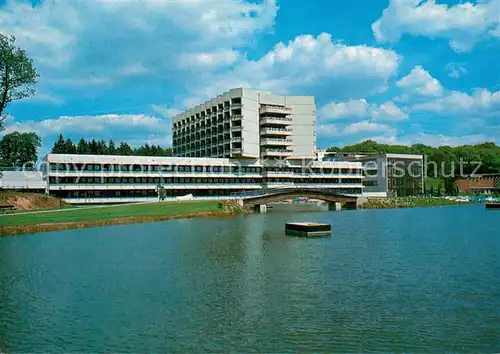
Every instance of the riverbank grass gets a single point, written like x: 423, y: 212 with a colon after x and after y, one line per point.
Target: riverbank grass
x: 112, y: 212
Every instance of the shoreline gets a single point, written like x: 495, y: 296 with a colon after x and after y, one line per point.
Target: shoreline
x: 6, y: 231
x: 407, y: 203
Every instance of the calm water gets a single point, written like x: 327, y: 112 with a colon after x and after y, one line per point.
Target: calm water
x: 402, y: 280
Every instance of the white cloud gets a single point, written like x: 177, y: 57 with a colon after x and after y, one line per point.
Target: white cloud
x: 434, y: 139
x: 165, y: 111
x: 316, y: 65
x: 70, y: 40
x: 366, y: 126
x: 482, y: 101
x: 136, y: 129
x: 388, y: 111
x: 462, y: 24
x: 455, y: 70
x: 352, y: 108
x: 209, y: 59
x: 420, y: 82
x: 359, y: 128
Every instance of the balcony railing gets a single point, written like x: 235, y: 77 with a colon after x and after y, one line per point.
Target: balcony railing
x: 275, y: 152
x: 275, y: 109
x: 279, y: 131
x: 236, y: 139
x: 236, y: 150
x: 276, y: 120
x: 236, y: 117
x: 236, y: 128
x: 282, y: 142
x: 236, y: 105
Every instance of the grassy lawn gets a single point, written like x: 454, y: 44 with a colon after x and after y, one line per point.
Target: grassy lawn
x: 120, y: 211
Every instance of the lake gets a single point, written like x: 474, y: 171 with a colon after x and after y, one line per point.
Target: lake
x: 420, y: 280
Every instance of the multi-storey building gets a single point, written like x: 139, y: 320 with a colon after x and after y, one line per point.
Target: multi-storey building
x: 247, y: 123
x: 386, y: 175
x: 113, y: 179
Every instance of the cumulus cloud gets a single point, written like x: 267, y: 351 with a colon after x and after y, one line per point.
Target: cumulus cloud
x: 481, y: 101
x: 136, y: 129
x: 388, y: 111
x: 420, y: 82
x: 352, y: 109
x: 358, y: 129
x: 73, y: 39
x: 462, y: 25
x: 316, y: 65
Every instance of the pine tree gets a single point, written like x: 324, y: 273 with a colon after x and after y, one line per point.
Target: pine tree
x: 59, y: 146
x: 82, y: 147
x: 69, y: 147
x: 111, y: 147
x: 93, y: 147
x: 124, y: 149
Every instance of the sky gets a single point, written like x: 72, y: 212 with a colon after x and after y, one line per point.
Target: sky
x: 398, y: 71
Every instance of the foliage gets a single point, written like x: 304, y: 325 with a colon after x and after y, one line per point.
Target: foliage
x: 17, y: 149
x: 447, y: 158
x: 94, y: 147
x: 17, y: 74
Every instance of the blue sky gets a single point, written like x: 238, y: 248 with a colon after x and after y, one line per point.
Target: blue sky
x: 399, y: 71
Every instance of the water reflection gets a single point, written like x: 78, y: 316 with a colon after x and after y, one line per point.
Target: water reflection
x: 401, y: 280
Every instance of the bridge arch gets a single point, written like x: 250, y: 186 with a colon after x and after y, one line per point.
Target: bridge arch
x: 263, y: 197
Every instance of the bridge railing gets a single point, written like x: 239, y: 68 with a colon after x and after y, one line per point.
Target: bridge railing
x: 270, y: 191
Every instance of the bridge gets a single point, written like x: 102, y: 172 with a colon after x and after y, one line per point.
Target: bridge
x: 257, y: 199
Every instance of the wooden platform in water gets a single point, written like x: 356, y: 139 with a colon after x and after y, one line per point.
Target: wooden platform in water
x: 492, y: 205
x: 308, y: 229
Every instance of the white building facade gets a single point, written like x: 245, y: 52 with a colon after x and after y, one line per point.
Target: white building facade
x: 248, y: 123
x: 100, y: 179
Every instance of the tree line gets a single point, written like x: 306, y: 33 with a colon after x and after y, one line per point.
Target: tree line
x: 486, y: 154
x: 101, y: 147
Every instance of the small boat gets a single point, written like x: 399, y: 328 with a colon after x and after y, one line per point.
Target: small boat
x: 492, y: 205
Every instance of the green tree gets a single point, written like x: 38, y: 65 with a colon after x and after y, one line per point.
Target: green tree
x: 83, y: 147
x: 93, y: 147
x: 111, y: 147
x: 69, y: 147
x: 124, y: 149
x: 59, y: 146
x: 102, y: 148
x: 17, y: 74
x: 18, y: 149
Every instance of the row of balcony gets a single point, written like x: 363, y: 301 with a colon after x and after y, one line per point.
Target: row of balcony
x: 272, y: 109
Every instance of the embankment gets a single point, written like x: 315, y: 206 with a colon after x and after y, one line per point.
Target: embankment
x: 30, y: 201
x: 35, y: 222
x: 405, y: 202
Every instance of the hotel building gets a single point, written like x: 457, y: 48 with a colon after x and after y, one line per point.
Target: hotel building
x: 242, y: 140
x: 247, y: 123
x: 113, y: 179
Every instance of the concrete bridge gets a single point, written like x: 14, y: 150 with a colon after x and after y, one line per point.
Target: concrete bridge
x: 258, y: 199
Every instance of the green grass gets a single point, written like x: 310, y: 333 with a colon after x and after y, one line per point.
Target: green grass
x: 106, y: 213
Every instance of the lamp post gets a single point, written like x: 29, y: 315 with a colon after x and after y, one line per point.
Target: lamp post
x: 60, y: 197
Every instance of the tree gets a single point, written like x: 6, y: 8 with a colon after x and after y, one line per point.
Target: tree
x: 111, y: 147
x: 93, y: 147
x: 124, y: 149
x: 59, y: 146
x: 69, y: 147
x: 17, y: 74
x: 82, y: 148
x: 18, y: 149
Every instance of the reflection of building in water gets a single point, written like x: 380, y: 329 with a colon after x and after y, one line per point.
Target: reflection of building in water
x: 398, y: 175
